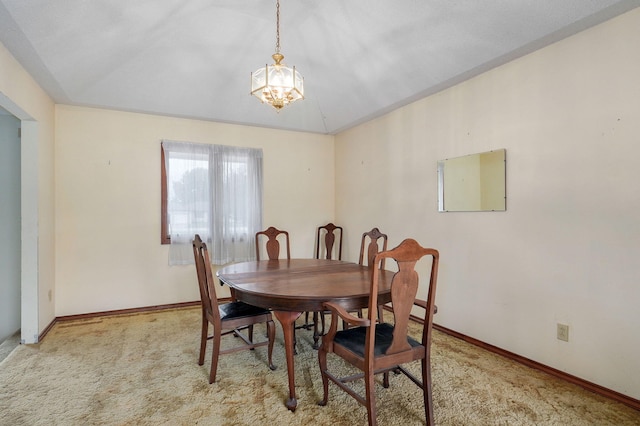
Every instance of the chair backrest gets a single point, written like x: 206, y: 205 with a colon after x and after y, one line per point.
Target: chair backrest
x: 205, y: 280
x: 273, y: 245
x: 404, y: 287
x: 329, y: 232
x: 372, y: 247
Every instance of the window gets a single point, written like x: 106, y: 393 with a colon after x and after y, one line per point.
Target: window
x: 214, y: 191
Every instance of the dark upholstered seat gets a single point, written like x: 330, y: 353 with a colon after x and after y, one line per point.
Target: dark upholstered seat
x: 353, y: 339
x: 236, y: 310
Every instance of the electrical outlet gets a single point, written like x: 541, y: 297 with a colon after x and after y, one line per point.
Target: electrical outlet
x: 563, y: 332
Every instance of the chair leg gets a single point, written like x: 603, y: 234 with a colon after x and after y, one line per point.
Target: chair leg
x: 316, y: 332
x: 369, y: 384
x: 306, y: 320
x: 426, y: 390
x: 271, y: 335
x: 203, y: 339
x: 215, y: 353
x: 322, y: 360
x: 250, y: 333
x: 295, y: 340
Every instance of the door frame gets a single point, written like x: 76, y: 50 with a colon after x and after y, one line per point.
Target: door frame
x: 29, y: 305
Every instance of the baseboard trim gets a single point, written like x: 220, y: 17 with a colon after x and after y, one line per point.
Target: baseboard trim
x: 128, y: 311
x: 115, y: 312
x: 46, y: 330
x: 600, y: 390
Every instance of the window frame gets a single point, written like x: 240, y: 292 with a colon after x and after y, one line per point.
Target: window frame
x: 165, y: 237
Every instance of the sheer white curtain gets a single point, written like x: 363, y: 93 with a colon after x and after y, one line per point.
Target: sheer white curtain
x: 214, y: 191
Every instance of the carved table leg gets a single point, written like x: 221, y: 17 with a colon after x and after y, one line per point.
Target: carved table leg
x: 287, y: 320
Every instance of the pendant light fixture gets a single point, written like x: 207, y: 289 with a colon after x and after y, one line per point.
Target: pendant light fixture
x: 277, y: 84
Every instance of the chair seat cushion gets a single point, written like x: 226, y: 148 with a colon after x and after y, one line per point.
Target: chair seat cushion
x: 354, y: 339
x: 234, y: 310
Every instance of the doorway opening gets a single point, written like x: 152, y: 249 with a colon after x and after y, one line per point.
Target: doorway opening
x: 10, y: 212
x: 27, y: 224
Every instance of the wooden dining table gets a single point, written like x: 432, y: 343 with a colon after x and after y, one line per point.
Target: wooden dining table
x: 291, y: 286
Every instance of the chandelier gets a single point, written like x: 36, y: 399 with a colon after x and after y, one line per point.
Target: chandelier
x: 277, y: 84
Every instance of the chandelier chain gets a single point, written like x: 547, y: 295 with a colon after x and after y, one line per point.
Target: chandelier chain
x: 277, y: 26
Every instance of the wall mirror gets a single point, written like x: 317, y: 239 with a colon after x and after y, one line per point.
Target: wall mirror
x: 473, y: 183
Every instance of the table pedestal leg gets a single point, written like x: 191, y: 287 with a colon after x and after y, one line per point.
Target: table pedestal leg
x: 287, y: 320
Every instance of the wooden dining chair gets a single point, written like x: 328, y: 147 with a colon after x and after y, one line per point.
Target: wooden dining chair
x: 371, y: 241
x: 273, y: 236
x: 376, y: 348
x: 370, y: 245
x: 329, y: 242
x: 328, y: 246
x: 227, y: 318
x: 272, y: 247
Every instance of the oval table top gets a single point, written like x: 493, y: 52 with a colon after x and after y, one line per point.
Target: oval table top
x: 303, y: 284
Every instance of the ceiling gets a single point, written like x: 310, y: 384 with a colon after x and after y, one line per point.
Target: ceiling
x: 360, y: 58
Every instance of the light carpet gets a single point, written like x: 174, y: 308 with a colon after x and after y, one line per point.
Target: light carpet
x: 142, y: 369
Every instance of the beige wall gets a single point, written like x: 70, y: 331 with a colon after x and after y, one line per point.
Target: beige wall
x: 108, y: 247
x: 567, y: 248
x: 24, y: 98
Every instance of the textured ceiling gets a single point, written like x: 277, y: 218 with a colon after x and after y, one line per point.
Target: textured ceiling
x: 360, y: 58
